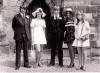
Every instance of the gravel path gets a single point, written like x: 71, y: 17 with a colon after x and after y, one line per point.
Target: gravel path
x: 7, y: 65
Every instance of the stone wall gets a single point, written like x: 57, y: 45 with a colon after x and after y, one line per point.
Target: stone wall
x: 10, y: 8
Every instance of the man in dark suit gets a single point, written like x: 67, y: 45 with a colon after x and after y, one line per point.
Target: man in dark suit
x: 57, y: 37
x: 21, y: 27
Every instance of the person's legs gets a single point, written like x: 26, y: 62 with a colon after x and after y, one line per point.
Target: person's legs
x: 60, y: 53
x: 25, y: 52
x: 38, y: 54
x: 80, y: 55
x: 53, y: 53
x: 18, y: 53
x: 83, y: 58
x: 72, y: 55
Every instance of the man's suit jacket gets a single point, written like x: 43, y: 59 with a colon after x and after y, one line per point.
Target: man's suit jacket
x: 20, y: 25
x: 57, y: 29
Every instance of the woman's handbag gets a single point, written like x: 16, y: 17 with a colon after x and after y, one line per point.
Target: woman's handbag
x: 86, y: 37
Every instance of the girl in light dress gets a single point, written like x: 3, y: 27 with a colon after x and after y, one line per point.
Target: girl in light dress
x: 38, y: 26
x: 82, y: 31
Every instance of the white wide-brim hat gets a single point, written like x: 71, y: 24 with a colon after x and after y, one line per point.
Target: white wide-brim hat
x: 69, y: 9
x: 38, y: 10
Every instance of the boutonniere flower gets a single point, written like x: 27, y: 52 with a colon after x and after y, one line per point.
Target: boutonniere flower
x: 27, y: 16
x: 60, y: 18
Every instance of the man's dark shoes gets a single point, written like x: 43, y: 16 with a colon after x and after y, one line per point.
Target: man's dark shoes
x: 27, y: 66
x: 61, y: 65
x: 17, y: 67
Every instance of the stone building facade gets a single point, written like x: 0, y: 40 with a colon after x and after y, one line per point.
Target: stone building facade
x: 90, y: 7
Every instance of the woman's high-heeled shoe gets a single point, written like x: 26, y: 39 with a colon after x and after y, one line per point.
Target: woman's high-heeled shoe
x: 71, y: 65
x: 39, y: 64
x: 82, y: 68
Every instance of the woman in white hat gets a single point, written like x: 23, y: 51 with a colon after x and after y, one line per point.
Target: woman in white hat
x: 82, y: 30
x: 69, y: 34
x: 38, y: 26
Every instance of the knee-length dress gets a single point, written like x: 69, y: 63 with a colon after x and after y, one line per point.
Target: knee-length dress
x: 38, y: 31
x: 82, y: 29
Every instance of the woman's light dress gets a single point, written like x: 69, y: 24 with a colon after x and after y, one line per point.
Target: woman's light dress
x: 80, y: 33
x: 38, y: 31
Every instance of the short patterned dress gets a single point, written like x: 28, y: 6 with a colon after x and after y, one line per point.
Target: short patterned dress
x: 69, y: 36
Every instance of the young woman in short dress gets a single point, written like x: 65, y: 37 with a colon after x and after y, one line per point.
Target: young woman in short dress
x: 82, y: 31
x: 69, y: 34
x: 38, y: 26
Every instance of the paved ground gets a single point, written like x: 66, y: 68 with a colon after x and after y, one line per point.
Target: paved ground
x: 7, y: 65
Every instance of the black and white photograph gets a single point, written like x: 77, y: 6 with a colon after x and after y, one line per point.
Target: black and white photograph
x: 49, y: 36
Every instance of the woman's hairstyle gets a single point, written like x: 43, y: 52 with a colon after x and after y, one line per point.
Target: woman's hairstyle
x: 69, y: 18
x: 70, y: 11
x: 82, y: 14
x: 38, y: 10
